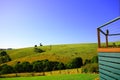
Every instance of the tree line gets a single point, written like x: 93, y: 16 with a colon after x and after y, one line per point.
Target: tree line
x: 40, y: 66
x: 90, y: 65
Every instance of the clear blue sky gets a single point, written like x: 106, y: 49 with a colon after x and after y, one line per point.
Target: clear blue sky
x: 24, y: 23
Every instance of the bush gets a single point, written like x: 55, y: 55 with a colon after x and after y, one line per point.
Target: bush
x: 90, y: 68
x: 75, y: 63
x: 94, y: 59
x: 18, y: 67
x: 87, y: 61
x: 6, y: 69
x: 37, y: 66
x: 4, y: 57
x: 47, y: 65
x: 60, y: 66
x: 54, y: 65
x: 27, y: 67
x: 38, y: 50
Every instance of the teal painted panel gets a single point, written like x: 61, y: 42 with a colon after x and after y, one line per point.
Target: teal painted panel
x: 110, y: 54
x: 113, y: 70
x: 117, y: 60
x: 110, y: 64
x: 111, y: 75
x: 105, y: 77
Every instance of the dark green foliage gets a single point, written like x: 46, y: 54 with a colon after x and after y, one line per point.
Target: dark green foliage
x: 87, y: 61
x: 41, y: 44
x: 6, y: 69
x: 18, y: 67
x: 35, y: 46
x: 75, y: 63
x: 37, y: 66
x: 94, y: 59
x: 68, y: 65
x: 91, y: 65
x: 61, y: 66
x: 3, y: 53
x: 26, y: 66
x: 47, y: 65
x: 90, y: 68
x: 4, y: 57
x: 38, y: 50
x: 54, y: 65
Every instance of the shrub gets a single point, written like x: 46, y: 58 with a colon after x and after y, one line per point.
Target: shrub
x: 94, y: 59
x: 75, y: 63
x: 87, y: 61
x: 4, y: 57
x: 27, y: 67
x: 61, y: 66
x: 6, y: 69
x: 90, y: 68
x: 38, y: 50
x: 37, y: 66
x: 18, y: 67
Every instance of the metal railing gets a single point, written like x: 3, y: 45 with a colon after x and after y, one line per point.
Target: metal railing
x: 106, y: 33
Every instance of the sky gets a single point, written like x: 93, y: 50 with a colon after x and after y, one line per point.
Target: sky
x: 25, y: 23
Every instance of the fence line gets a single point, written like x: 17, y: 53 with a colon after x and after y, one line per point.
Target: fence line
x: 57, y: 72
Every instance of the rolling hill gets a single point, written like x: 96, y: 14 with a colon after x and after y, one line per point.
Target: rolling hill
x: 62, y: 53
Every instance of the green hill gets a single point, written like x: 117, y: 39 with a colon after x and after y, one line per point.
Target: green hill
x: 62, y: 53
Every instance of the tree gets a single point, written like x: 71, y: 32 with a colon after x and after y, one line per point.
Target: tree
x: 3, y: 53
x: 18, y: 67
x: 54, y: 65
x: 75, y: 63
x: 41, y: 44
x: 37, y: 66
x: 4, y: 57
x: 61, y: 66
x: 5, y: 69
x: 27, y: 67
x: 35, y: 46
x: 47, y: 65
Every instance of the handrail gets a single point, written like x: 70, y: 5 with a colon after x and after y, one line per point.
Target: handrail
x: 109, y: 22
x: 99, y: 30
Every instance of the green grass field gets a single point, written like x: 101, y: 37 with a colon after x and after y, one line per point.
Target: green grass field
x: 58, y: 77
x: 62, y: 53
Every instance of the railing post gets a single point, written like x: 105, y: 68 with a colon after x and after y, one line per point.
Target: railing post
x: 98, y: 34
x: 107, y: 32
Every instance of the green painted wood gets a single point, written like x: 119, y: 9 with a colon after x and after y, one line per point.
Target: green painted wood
x: 110, y: 74
x: 110, y: 64
x: 110, y: 54
x: 116, y: 60
x: 113, y: 70
x: 105, y: 77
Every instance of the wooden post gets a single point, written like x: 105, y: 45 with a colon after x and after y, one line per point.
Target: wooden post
x: 98, y: 34
x: 107, y: 32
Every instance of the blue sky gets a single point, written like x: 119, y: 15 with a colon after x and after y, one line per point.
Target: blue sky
x: 24, y: 23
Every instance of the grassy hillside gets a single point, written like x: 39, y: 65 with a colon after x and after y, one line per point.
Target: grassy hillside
x: 62, y: 53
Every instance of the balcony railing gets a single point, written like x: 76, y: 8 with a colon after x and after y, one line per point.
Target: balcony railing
x: 107, y: 34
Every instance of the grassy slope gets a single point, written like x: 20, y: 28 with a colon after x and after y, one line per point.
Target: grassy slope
x: 63, y: 53
x: 58, y: 77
